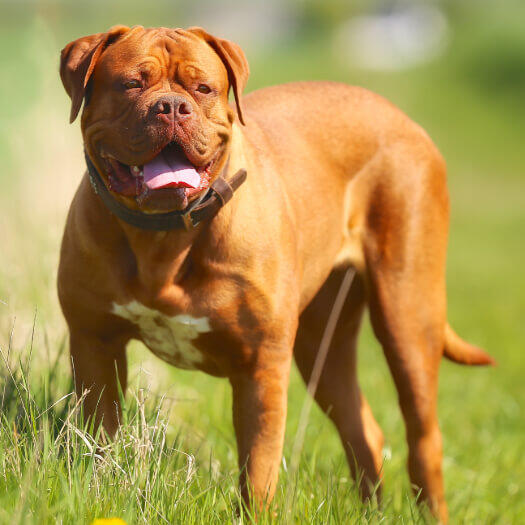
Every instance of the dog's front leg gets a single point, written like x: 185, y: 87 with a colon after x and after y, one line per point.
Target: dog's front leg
x: 98, y: 366
x: 259, y: 417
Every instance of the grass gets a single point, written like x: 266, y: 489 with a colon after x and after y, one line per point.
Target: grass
x: 175, y: 459
x: 154, y: 472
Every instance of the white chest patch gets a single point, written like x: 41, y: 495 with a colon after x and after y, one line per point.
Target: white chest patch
x: 170, y: 338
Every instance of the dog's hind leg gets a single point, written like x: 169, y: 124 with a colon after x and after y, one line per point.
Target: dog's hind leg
x: 405, y: 242
x: 338, y: 392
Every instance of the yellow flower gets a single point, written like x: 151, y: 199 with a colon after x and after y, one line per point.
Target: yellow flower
x: 108, y: 521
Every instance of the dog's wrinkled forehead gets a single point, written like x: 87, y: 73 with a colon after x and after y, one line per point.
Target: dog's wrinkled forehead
x: 162, y: 52
x: 139, y: 51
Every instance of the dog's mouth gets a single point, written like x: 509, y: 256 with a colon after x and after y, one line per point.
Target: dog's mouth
x: 170, y: 171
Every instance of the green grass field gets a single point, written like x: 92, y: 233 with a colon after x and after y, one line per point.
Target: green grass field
x: 175, y: 460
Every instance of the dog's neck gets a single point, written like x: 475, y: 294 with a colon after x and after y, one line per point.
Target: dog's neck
x: 164, y: 258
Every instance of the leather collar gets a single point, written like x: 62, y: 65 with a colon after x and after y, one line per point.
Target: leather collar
x: 220, y: 192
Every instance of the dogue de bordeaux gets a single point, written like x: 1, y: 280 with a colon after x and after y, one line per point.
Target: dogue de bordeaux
x: 219, y: 236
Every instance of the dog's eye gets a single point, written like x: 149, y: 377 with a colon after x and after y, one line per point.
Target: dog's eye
x: 203, y: 88
x: 132, y: 84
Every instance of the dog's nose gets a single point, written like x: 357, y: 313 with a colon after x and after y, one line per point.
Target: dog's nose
x: 172, y: 107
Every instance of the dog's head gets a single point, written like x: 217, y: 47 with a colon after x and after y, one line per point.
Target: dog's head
x: 156, y: 119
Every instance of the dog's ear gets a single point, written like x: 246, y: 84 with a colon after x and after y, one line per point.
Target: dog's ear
x: 235, y: 61
x: 77, y: 61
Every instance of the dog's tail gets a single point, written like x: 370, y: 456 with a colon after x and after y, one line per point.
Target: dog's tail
x: 462, y: 352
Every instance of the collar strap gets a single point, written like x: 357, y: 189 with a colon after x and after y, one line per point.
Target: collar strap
x: 220, y: 192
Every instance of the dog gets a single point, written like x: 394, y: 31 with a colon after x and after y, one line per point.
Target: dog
x: 220, y: 235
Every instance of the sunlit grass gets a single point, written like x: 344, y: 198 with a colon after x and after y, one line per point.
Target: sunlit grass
x: 55, y: 467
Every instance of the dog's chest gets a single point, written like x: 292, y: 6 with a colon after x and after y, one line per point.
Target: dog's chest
x: 172, y: 338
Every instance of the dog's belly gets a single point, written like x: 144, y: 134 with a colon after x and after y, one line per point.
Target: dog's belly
x: 170, y: 338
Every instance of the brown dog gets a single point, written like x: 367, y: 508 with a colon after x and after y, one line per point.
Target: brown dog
x: 337, y: 177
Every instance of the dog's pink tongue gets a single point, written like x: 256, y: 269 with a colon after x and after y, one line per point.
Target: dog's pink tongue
x: 170, y: 170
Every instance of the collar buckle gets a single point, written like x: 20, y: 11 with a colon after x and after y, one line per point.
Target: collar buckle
x: 187, y: 220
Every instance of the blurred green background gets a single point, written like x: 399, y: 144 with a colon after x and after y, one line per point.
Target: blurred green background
x: 455, y: 67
